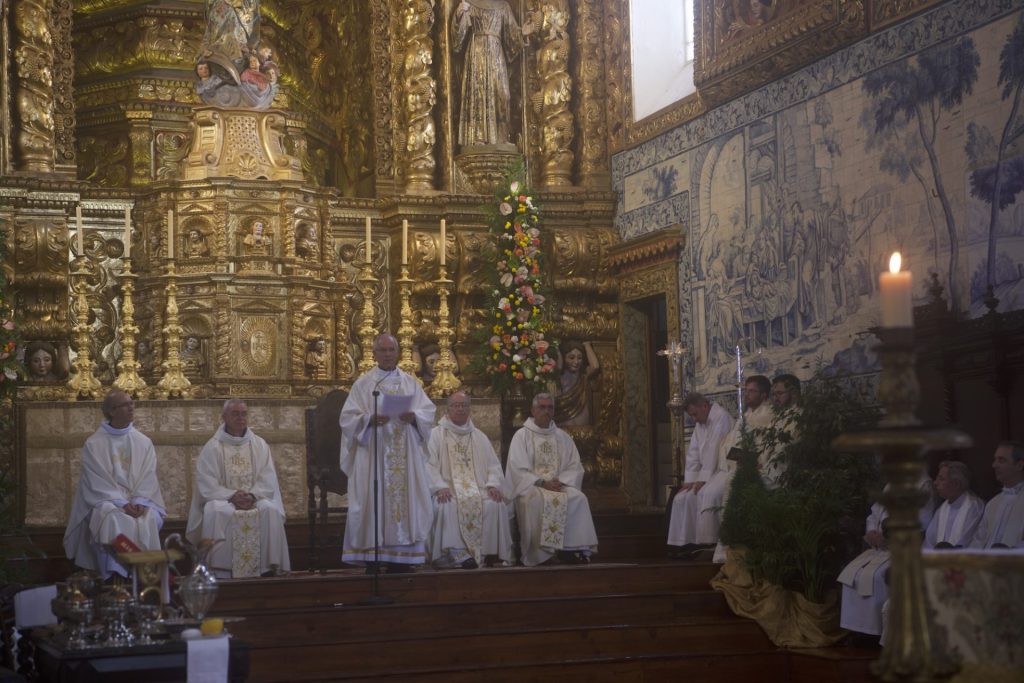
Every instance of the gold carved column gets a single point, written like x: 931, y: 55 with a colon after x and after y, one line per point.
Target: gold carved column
x: 420, y: 91
x: 552, y: 105
x: 592, y: 75
x: 34, y: 130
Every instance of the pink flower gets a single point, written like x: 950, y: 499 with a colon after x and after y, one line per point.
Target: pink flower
x: 514, y: 187
x: 542, y: 346
x: 505, y: 208
x: 8, y: 324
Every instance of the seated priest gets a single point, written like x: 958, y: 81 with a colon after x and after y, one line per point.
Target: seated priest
x: 955, y: 522
x: 236, y: 500
x: 546, y: 475
x: 692, y: 523
x: 471, y: 515
x: 118, y: 492
x: 1002, y: 525
x: 864, y: 585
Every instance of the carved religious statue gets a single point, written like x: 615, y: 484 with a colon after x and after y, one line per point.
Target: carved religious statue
x: 258, y: 239
x: 233, y: 70
x: 44, y: 362
x: 192, y: 360
x: 317, y: 359
x: 195, y: 244
x: 307, y: 245
x: 488, y: 35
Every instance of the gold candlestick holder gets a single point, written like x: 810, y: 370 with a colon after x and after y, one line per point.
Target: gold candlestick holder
x: 406, y: 330
x: 367, y: 330
x: 908, y: 653
x: 445, y: 382
x: 83, y: 384
x: 173, y: 384
x: 674, y: 353
x: 128, y: 379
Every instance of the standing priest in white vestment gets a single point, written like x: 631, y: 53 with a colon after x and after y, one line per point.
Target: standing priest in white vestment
x: 118, y: 492
x: 404, y: 512
x: 757, y: 415
x: 471, y: 514
x: 953, y: 525
x: 691, y: 522
x: 236, y: 500
x: 546, y: 475
x: 1002, y: 525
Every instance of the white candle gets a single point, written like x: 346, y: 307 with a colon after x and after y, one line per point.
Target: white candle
x: 127, y: 232
x: 443, y: 243
x: 368, y: 236
x: 78, y: 229
x: 895, y: 289
x: 405, y: 241
x: 170, y: 233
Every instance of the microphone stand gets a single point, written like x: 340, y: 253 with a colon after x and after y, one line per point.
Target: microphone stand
x: 376, y: 598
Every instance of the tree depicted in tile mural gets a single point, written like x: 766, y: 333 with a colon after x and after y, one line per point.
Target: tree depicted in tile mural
x: 998, y: 175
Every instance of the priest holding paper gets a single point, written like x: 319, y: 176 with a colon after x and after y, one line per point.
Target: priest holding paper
x: 395, y: 425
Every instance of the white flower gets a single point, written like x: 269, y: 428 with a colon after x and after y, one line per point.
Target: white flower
x: 505, y: 208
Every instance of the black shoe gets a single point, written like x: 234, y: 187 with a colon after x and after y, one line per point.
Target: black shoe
x: 469, y: 564
x: 399, y: 568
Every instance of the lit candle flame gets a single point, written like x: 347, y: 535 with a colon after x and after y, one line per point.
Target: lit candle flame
x: 894, y: 262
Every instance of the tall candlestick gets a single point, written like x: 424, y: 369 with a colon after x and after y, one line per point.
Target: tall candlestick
x: 369, y: 257
x: 405, y: 241
x: 78, y: 229
x: 127, y: 232
x: 895, y: 290
x: 444, y: 244
x: 170, y: 233
x: 739, y: 383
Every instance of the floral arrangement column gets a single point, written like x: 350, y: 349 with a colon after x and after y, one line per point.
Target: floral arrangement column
x: 515, y: 358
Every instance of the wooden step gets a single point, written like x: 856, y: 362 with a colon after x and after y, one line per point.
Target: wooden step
x: 353, y: 624
x: 311, y: 590
x: 536, y: 646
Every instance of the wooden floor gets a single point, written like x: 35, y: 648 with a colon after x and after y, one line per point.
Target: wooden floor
x: 630, y: 616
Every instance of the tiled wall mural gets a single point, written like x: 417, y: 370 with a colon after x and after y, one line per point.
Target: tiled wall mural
x: 793, y: 197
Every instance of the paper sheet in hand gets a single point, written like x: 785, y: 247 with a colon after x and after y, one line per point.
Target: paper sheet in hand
x: 393, y: 405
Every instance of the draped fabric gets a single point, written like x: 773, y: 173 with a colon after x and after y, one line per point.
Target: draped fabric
x: 955, y: 523
x: 461, y: 458
x: 404, y: 514
x: 548, y: 521
x: 118, y: 467
x: 254, y: 541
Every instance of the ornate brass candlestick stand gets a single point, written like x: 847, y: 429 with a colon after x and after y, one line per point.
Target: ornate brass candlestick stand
x: 406, y: 330
x: 173, y: 384
x: 128, y: 379
x: 908, y: 654
x: 83, y: 384
x: 445, y: 382
x: 367, y: 330
x: 674, y: 352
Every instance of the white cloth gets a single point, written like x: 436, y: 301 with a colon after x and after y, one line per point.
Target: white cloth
x: 207, y: 659
x: 404, y: 512
x: 548, y: 521
x: 118, y: 467
x: 715, y: 492
x: 865, y: 589
x: 1003, y: 521
x: 955, y: 523
x: 253, y: 541
x: 471, y: 524
x: 690, y: 516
